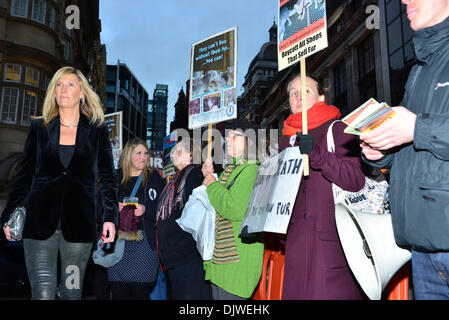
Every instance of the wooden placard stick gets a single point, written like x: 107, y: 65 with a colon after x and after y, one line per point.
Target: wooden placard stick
x: 304, y: 112
x: 209, y: 141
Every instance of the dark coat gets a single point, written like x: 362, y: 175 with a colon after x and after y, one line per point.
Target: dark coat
x: 419, y: 180
x: 52, y: 192
x: 176, y: 246
x: 315, y: 265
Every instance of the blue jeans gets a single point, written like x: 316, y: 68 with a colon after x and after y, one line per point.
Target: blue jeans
x: 430, y: 275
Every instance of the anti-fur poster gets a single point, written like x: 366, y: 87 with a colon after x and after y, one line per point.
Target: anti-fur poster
x: 302, y: 30
x: 213, y: 79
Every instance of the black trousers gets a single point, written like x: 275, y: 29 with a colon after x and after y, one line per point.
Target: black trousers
x: 187, y: 282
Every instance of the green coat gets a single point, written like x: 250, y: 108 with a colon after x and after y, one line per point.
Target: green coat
x: 239, y: 278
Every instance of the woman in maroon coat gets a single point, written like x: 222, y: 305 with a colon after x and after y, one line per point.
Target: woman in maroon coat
x: 315, y: 265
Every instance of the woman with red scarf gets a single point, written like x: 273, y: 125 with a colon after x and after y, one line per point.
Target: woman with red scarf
x: 315, y: 264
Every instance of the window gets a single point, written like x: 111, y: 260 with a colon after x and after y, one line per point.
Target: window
x: 366, y: 56
x: 67, y: 30
x: 394, y: 35
x: 51, y: 18
x: 29, y: 106
x: 341, y: 97
x: 19, y: 8
x: 367, y: 71
x: 32, y: 77
x: 47, y: 80
x: 38, y: 12
x: 400, y: 48
x: 12, y: 72
x: 66, y: 49
x: 10, y: 100
x: 393, y: 10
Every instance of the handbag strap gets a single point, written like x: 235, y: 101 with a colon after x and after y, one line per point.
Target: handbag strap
x: 136, y: 185
x: 233, y: 180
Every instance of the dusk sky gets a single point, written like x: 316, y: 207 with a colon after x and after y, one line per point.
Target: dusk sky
x: 154, y: 37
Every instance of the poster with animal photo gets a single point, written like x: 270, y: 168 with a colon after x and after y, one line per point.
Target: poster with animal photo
x: 113, y: 122
x: 213, y: 77
x: 302, y: 30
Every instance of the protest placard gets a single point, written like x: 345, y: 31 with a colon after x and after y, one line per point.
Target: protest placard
x: 302, y: 30
x: 274, y: 193
x: 113, y: 122
x: 169, y: 142
x: 213, y: 79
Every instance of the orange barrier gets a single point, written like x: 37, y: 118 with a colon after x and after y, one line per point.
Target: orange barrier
x: 272, y: 279
x: 398, y: 287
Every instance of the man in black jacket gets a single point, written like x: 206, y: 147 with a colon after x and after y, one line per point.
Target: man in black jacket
x: 415, y: 143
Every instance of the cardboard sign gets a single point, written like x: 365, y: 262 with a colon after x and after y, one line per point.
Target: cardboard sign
x: 274, y: 193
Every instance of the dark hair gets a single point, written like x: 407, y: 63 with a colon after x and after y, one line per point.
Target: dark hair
x: 319, y: 85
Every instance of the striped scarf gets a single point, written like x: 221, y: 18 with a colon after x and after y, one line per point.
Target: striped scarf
x: 225, y: 249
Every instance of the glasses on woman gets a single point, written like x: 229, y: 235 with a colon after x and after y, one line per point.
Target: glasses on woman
x: 234, y: 134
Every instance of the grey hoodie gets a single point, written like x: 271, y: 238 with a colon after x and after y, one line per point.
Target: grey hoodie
x: 419, y: 183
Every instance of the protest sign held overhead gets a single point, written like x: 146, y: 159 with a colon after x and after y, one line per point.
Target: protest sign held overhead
x: 302, y: 30
x: 213, y: 79
x: 169, y: 142
x: 274, y: 193
x: 113, y: 122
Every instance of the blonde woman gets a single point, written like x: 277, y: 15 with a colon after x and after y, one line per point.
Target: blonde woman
x: 135, y: 274
x: 67, y: 148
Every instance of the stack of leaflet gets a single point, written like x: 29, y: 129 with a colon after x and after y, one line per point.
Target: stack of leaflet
x: 367, y: 117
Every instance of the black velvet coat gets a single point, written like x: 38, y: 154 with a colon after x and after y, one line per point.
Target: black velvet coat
x: 51, y: 192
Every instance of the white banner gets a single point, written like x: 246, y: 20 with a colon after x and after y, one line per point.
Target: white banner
x: 274, y: 193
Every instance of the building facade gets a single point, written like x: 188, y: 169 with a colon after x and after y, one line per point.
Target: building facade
x: 181, y: 118
x: 37, y: 37
x: 258, y: 79
x: 126, y: 94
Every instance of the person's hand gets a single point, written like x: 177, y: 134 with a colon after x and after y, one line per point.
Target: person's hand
x: 120, y: 206
x: 370, y: 153
x: 140, y: 210
x: 305, y: 143
x: 6, y: 230
x: 208, y: 167
x: 394, y: 132
x: 108, y: 234
x: 208, y: 179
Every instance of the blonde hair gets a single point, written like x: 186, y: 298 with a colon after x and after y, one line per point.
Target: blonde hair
x: 125, y: 160
x: 90, y: 105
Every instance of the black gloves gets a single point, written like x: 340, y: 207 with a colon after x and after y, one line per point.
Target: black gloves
x: 305, y: 143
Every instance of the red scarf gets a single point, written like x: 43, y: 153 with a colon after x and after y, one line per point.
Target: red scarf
x: 318, y: 114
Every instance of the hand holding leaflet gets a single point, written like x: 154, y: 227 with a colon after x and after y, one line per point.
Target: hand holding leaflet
x: 367, y: 117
